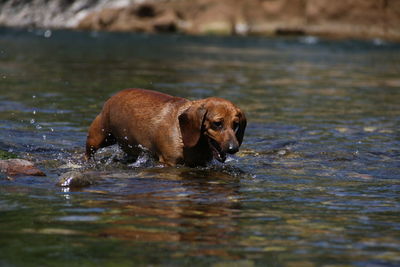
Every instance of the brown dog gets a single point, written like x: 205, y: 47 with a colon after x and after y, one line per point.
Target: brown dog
x: 175, y: 130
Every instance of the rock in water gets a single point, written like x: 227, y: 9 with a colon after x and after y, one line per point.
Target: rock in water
x: 75, y: 179
x: 15, y: 167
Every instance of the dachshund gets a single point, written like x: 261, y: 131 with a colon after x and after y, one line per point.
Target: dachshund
x: 173, y: 129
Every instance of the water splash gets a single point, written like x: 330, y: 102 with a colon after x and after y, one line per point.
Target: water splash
x: 231, y: 158
x: 142, y: 161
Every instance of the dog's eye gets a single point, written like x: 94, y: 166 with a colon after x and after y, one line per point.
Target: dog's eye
x: 217, y: 124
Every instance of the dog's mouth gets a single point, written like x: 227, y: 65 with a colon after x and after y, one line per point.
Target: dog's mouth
x: 217, y: 151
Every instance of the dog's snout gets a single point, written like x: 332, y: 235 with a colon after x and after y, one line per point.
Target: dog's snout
x: 233, y: 148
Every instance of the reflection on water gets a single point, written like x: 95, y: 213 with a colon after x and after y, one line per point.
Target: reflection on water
x: 316, y: 182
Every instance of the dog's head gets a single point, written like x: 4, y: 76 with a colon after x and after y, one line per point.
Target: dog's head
x: 218, y: 120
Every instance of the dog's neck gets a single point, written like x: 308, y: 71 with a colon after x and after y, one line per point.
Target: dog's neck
x: 201, y: 152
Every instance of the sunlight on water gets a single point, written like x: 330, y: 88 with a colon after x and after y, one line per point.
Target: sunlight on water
x: 315, y: 183
x: 309, y: 40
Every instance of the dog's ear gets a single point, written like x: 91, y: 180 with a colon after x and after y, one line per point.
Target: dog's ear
x: 242, y: 127
x: 190, y: 122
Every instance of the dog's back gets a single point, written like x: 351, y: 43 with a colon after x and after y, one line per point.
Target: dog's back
x: 175, y: 130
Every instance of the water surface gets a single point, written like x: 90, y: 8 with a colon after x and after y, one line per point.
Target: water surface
x: 316, y: 182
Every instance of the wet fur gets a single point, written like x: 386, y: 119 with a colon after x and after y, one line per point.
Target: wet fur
x: 175, y: 130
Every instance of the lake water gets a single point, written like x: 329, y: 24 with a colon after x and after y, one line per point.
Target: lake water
x: 316, y: 183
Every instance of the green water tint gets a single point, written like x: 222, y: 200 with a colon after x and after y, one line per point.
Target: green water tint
x: 4, y: 155
x: 316, y: 182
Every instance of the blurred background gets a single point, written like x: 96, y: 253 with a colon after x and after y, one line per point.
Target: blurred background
x: 315, y: 183
x: 344, y: 18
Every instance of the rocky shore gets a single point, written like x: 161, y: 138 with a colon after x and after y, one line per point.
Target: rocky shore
x: 364, y: 19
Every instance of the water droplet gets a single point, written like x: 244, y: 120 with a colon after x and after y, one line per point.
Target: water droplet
x: 33, y: 96
x: 51, y: 129
x: 32, y: 121
x: 126, y: 137
x: 141, y: 161
x: 44, y: 137
x: 34, y: 112
x: 282, y: 152
x: 47, y: 34
x: 309, y: 40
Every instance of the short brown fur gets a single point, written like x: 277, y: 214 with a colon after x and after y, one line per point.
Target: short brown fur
x: 175, y: 130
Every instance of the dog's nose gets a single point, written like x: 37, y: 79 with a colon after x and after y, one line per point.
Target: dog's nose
x: 232, y: 148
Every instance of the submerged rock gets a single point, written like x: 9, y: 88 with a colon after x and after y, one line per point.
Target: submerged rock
x: 15, y: 167
x: 76, y: 179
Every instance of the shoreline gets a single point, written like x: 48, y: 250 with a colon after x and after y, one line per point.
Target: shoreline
x: 361, y: 19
